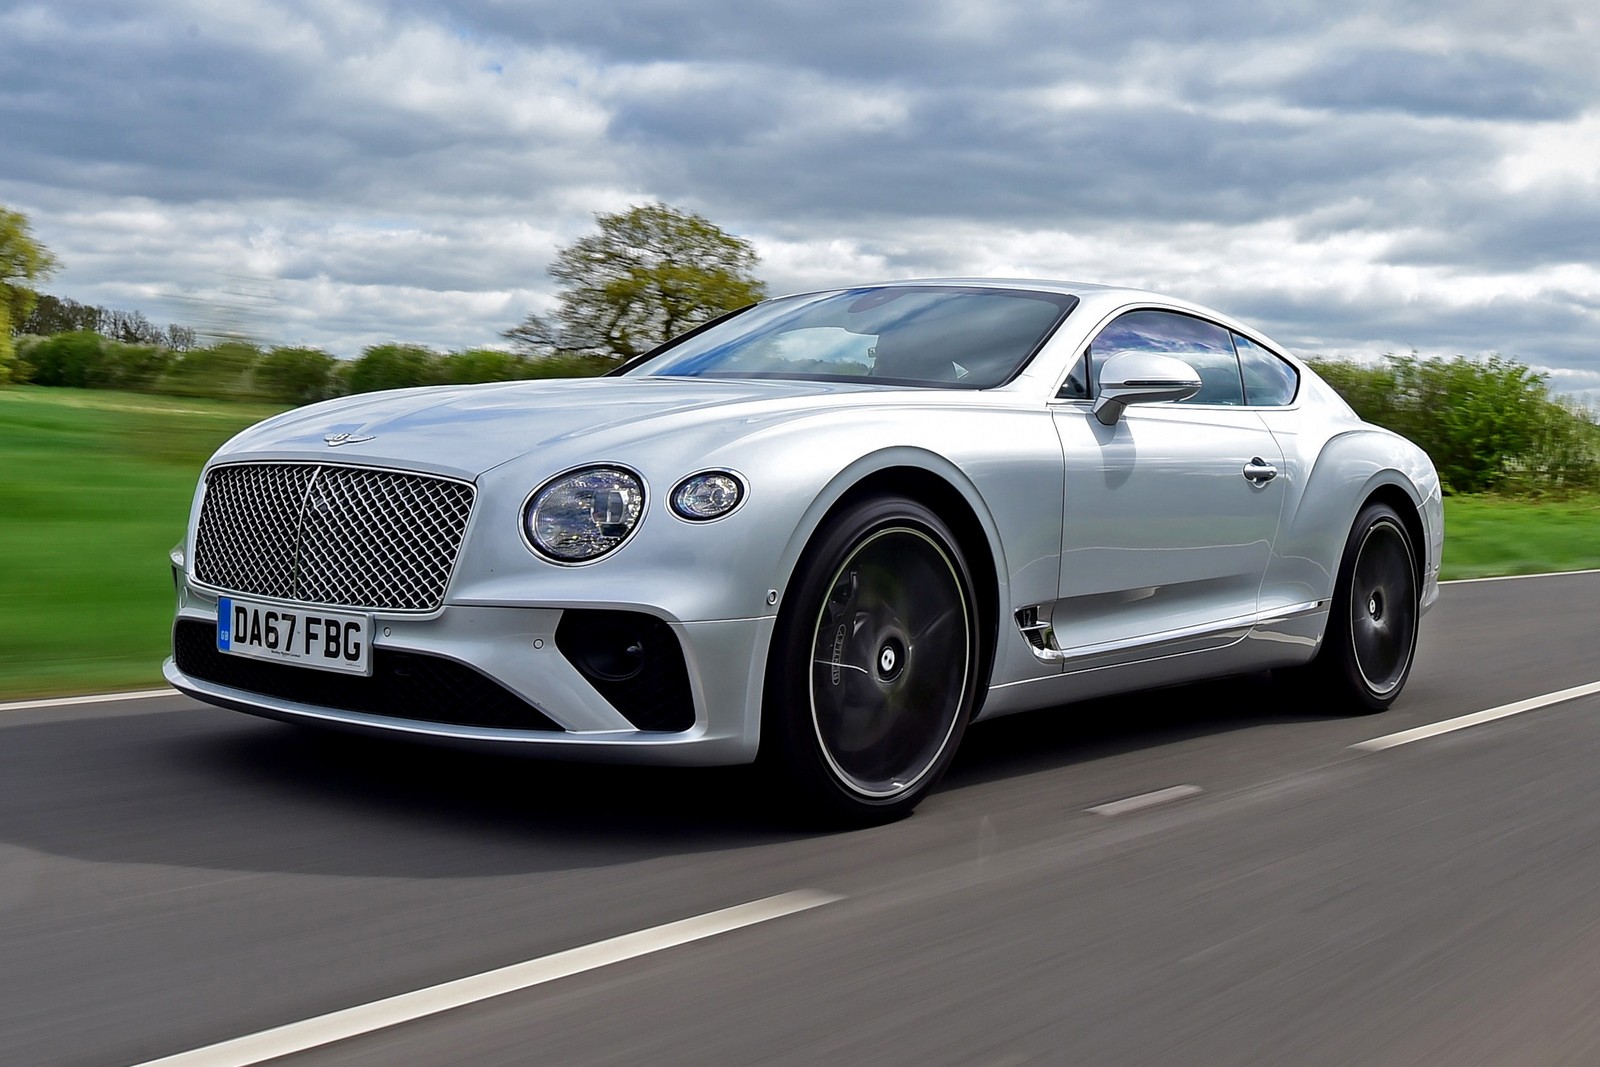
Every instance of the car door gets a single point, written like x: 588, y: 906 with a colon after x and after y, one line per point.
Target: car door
x: 1171, y: 513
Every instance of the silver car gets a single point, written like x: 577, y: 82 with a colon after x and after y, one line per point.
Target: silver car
x: 824, y: 533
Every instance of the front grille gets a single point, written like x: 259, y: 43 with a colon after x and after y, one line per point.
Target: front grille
x: 317, y: 533
x: 403, y: 685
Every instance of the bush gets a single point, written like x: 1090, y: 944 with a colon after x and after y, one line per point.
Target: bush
x: 1564, y: 456
x: 223, y: 371
x: 67, y: 359
x: 393, y: 366
x: 296, y: 375
x: 1487, y: 424
x: 21, y: 368
x: 131, y: 366
x: 8, y: 350
x: 483, y: 365
x: 569, y: 366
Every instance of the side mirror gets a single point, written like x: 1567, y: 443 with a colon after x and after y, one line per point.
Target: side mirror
x: 1142, y: 378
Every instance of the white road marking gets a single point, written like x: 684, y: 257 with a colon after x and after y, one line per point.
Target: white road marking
x: 1146, y: 800
x: 1514, y: 577
x: 95, y: 698
x: 381, y: 1014
x: 1405, y: 737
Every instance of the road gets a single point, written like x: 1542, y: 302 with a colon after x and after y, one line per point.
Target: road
x: 173, y: 876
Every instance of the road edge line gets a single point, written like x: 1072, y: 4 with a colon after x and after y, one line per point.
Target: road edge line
x: 92, y: 698
x: 1514, y: 577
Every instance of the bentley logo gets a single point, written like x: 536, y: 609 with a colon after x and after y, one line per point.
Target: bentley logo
x: 335, y: 439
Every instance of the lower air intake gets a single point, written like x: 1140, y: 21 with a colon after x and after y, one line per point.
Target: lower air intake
x: 635, y: 662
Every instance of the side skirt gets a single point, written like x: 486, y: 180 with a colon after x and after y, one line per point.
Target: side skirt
x: 1283, y: 637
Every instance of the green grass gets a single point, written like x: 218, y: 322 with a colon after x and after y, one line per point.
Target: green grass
x: 95, y: 488
x: 1488, y: 535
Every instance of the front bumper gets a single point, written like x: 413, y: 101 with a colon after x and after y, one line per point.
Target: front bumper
x: 516, y: 650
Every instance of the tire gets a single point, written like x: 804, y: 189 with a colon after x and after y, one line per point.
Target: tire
x: 1371, y: 641
x: 873, y: 672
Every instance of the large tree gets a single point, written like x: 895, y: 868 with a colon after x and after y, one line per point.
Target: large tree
x: 647, y: 275
x: 23, y: 261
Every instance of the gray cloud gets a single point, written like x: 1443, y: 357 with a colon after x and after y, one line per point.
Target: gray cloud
x: 1468, y: 84
x: 1552, y: 227
x: 408, y: 169
x: 1555, y: 329
x: 971, y: 156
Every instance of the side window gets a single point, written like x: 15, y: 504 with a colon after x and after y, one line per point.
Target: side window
x: 1268, y: 380
x: 1205, y: 346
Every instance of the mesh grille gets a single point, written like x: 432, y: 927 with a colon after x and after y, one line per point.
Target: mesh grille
x: 341, y: 536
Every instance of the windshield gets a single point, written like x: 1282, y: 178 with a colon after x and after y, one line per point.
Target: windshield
x: 949, y: 336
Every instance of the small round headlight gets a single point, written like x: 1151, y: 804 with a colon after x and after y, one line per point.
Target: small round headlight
x: 582, y: 515
x: 707, y: 495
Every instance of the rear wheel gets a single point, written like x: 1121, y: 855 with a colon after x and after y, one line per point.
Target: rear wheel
x: 1367, y: 652
x: 874, y: 665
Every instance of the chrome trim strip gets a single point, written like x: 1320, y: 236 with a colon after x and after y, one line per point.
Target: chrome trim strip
x: 1054, y: 655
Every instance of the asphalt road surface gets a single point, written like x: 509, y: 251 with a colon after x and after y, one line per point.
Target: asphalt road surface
x: 175, y: 877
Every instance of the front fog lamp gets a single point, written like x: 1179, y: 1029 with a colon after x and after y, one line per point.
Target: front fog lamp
x: 585, y: 514
x: 705, y: 496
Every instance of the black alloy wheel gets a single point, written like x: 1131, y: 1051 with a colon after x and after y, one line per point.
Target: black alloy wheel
x: 873, y: 671
x: 1371, y: 641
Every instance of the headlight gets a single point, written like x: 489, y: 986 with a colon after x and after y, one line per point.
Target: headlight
x: 584, y: 514
x: 707, y: 495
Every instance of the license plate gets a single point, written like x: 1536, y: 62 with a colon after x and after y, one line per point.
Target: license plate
x: 305, y: 637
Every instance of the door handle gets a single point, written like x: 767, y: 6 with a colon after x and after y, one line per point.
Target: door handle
x: 1260, y: 471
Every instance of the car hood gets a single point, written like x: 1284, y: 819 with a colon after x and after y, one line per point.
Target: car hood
x: 466, y: 430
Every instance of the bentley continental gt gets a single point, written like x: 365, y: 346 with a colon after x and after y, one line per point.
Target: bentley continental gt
x: 823, y: 534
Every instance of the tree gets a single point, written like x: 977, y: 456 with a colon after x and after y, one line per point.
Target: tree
x: 23, y: 261
x: 52, y: 315
x: 131, y: 327
x: 534, y: 336
x: 649, y: 274
x: 180, y: 338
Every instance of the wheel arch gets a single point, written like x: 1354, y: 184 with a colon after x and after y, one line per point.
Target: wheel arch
x: 950, y: 496
x: 1406, y: 507
x: 1350, y: 470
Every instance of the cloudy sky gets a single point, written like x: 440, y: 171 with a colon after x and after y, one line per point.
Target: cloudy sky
x: 1354, y: 178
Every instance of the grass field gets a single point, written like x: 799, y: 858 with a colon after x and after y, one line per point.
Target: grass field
x: 1487, y: 535
x: 95, y: 488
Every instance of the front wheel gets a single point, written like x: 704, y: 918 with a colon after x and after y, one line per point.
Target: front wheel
x: 874, y: 665
x: 1367, y: 652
